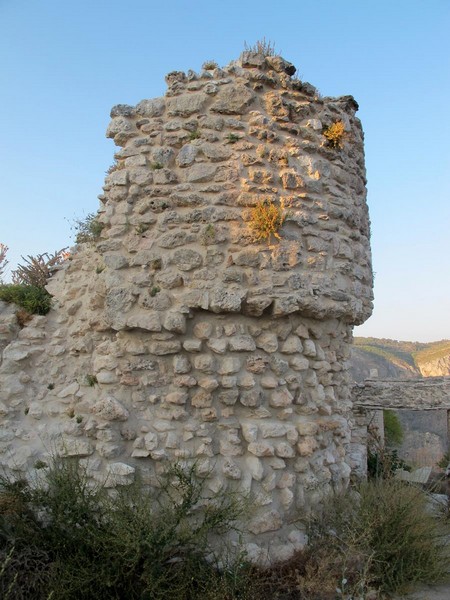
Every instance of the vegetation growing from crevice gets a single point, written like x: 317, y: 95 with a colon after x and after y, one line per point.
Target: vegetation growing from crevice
x: 87, y: 230
x: 209, y: 65
x: 117, y: 165
x: 29, y: 280
x: 266, y: 219
x: 37, y: 270
x: 263, y: 47
x: 335, y: 134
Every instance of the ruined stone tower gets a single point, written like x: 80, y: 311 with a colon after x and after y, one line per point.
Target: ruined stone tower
x: 181, y: 334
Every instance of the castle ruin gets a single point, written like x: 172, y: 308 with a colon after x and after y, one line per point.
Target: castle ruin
x: 182, y: 333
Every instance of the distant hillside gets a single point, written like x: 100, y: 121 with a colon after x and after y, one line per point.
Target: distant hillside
x: 392, y: 358
x: 425, y: 432
x: 434, y: 359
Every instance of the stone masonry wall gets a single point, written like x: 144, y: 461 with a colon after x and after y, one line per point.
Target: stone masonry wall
x: 372, y: 396
x: 176, y: 336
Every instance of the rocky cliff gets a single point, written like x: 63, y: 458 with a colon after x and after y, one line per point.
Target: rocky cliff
x: 386, y: 358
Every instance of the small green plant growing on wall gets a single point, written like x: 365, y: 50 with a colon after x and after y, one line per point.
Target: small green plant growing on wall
x: 154, y: 290
x: 156, y: 166
x: 91, y: 380
x: 208, y: 235
x: 87, y: 230
x: 266, y: 219
x: 335, y: 134
x: 194, y: 135
x: 142, y: 228
x: 444, y: 461
x: 116, y: 166
x: 232, y: 138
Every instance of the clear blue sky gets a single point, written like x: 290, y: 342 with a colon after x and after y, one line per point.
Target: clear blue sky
x: 65, y: 64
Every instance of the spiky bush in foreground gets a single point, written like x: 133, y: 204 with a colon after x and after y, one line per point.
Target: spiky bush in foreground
x: 87, y: 544
x: 383, y: 537
x: 65, y: 539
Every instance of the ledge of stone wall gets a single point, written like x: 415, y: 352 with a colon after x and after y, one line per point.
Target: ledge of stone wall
x: 414, y: 394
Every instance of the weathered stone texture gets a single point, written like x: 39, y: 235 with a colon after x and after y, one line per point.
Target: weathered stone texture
x: 422, y: 394
x: 375, y: 395
x: 176, y: 336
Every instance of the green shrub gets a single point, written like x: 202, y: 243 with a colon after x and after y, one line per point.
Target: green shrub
x: 383, y: 463
x: 408, y: 542
x: 382, y: 458
x: 91, y: 380
x: 33, y: 299
x: 444, y: 461
x: 393, y: 431
x: 67, y: 539
x: 384, y: 538
x: 95, y: 545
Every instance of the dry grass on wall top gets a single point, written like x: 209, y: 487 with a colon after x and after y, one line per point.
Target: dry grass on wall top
x: 263, y: 47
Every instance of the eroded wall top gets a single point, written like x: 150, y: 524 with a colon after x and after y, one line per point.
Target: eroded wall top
x: 178, y: 202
